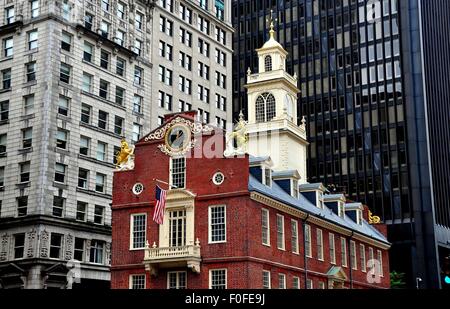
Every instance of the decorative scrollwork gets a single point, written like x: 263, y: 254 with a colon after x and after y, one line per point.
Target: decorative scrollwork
x: 196, y: 128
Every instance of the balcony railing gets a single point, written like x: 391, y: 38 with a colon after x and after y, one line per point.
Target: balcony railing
x: 164, y: 257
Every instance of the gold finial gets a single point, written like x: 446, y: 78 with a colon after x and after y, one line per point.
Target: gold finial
x: 272, y: 25
x: 374, y: 219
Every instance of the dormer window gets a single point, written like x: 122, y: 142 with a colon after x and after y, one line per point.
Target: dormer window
x: 359, y: 217
x: 294, y: 189
x: 268, y: 63
x: 265, y: 107
x: 320, y: 199
x: 341, y: 210
x: 267, y: 177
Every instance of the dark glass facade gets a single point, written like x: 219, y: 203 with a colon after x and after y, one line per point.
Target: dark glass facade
x: 350, y: 58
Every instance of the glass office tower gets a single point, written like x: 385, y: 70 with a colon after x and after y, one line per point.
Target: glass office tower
x: 362, y: 75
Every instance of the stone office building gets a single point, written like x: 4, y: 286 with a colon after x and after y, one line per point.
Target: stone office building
x: 75, y: 79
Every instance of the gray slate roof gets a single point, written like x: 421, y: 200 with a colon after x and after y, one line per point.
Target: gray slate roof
x: 305, y: 205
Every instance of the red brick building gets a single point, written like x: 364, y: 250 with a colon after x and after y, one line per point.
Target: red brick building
x: 234, y: 220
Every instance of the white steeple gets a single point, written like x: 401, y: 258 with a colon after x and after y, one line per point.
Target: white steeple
x: 272, y: 111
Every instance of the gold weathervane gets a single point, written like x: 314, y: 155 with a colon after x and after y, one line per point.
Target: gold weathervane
x: 271, y: 24
x: 374, y: 219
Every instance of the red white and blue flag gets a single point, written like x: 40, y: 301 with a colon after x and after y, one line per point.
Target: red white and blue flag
x: 158, y: 214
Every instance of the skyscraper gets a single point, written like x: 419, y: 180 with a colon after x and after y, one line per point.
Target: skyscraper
x: 372, y: 77
x: 75, y: 81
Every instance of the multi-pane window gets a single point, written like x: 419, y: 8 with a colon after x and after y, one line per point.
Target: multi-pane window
x: 120, y: 10
x: 308, y: 245
x: 203, y: 24
x: 176, y: 280
x: 343, y: 252
x: 217, y: 224
x: 103, y: 89
x: 280, y: 232
x: 120, y: 37
x: 165, y: 100
x: 137, y: 282
x: 104, y: 59
x: 3, y: 140
x: 105, y: 5
x: 137, y: 131
x: 203, y: 70
x: 219, y: 9
x: 4, y: 110
x: 265, y: 107
x: 203, y: 48
x: 28, y: 105
x: 218, y: 278
x: 203, y: 116
x: 99, y: 214
x: 221, y: 102
x: 22, y: 206
x: 165, y: 50
x: 353, y: 255
x: 6, y: 79
x: 102, y: 120
x: 55, y: 245
x: 268, y: 63
x: 184, y: 85
x: 87, y: 82
x: 177, y: 228
x: 296, y: 283
x: 60, y: 172
x: 380, y: 263
x: 120, y: 66
x: 138, y: 21
x: 83, y: 176
x: 138, y: 231
x: 64, y: 73
x: 137, y: 104
x: 24, y: 172
x: 63, y: 106
x: 58, y: 206
x: 120, y: 94
x: 185, y: 37
x: 32, y: 39
x: 309, y: 284
x: 166, y: 26
x: 100, y: 180
x: 86, y: 113
x: 266, y: 279
x: 185, y: 13
x: 362, y: 256
x: 118, y: 125
x: 138, y: 75
x: 221, y: 36
x: 221, y: 80
x: 178, y: 173
x: 138, y: 47
x: 265, y: 228
x: 81, y: 211
x: 19, y: 245
x: 61, y: 139
x: 332, y: 247
x: 27, y: 138
x: 319, y: 241
x: 78, y: 250
x: 104, y: 29
x: 8, y: 47
x: 10, y: 16
x: 101, y: 151
x: 66, y: 41
x: 88, y: 20
x: 281, y: 281
x: 294, y: 236
x: 96, y: 251
x: 203, y: 94
x: 185, y: 61
x: 184, y: 106
x: 221, y: 57
x: 31, y: 71
x: 165, y: 75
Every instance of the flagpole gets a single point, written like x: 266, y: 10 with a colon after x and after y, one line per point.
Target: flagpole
x: 170, y: 186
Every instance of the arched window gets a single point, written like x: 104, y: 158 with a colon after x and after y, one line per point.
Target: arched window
x: 265, y: 107
x: 268, y: 63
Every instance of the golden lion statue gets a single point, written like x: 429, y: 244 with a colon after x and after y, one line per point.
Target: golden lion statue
x: 125, y: 157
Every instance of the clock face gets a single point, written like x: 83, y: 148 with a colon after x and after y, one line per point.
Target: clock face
x: 178, y: 138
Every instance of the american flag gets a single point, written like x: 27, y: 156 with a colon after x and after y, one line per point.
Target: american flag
x: 158, y: 215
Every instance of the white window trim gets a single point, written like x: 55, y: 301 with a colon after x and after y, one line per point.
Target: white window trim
x: 332, y: 258
x: 270, y: 279
x: 130, y: 280
x: 210, y: 277
x: 319, y: 232
x: 353, y: 250
x: 296, y: 229
x: 298, y: 280
x: 362, y: 249
x: 344, y: 242
x: 176, y: 272
x: 284, y: 236
x: 281, y: 275
x: 308, y: 227
x: 210, y: 241
x: 268, y: 226
x: 170, y: 172
x: 312, y: 284
x: 132, y: 227
x: 380, y: 260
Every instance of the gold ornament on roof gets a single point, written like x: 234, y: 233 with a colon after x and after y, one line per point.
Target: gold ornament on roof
x: 272, y: 25
x: 125, y: 157
x: 374, y: 219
